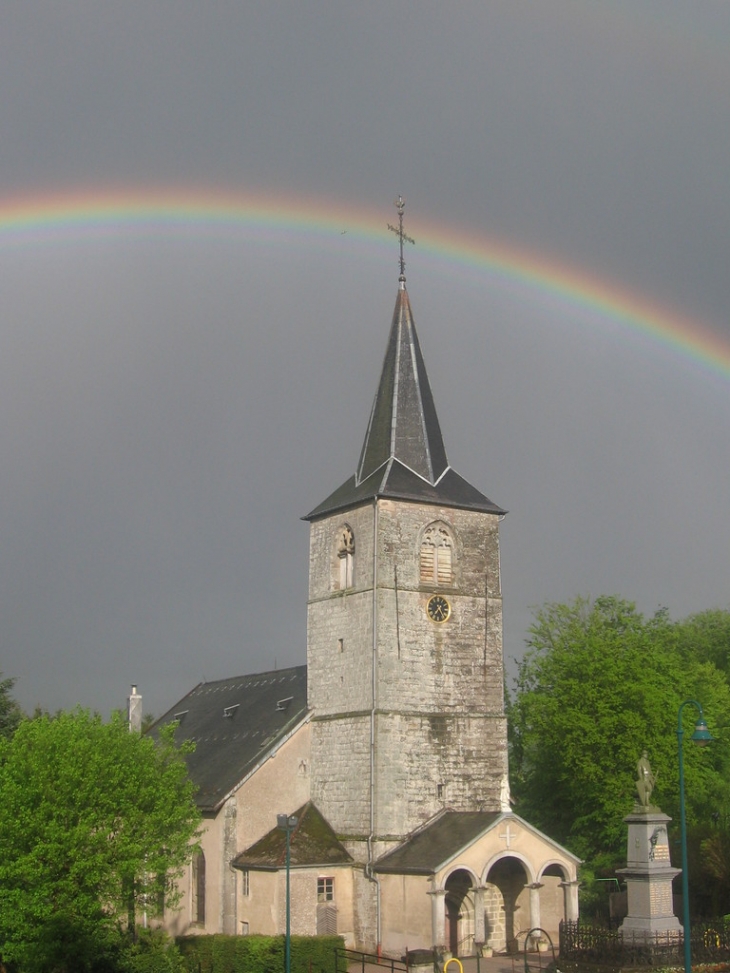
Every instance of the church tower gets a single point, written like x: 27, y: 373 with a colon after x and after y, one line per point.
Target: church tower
x: 404, y: 637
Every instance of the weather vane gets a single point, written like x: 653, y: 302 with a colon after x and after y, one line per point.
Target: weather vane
x: 402, y: 237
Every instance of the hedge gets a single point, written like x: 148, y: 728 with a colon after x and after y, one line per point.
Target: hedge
x: 259, y: 954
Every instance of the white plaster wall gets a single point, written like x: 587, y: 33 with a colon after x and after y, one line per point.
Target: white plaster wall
x: 265, y: 907
x: 279, y: 785
x: 407, y: 919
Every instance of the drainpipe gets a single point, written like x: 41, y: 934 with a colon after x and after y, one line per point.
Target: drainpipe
x: 374, y: 690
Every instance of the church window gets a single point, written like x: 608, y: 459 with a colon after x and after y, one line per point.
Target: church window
x: 245, y: 882
x: 345, y: 557
x: 198, y: 889
x: 437, y: 561
x: 325, y: 890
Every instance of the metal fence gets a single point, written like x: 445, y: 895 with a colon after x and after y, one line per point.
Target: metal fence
x: 710, y: 943
x: 356, y: 962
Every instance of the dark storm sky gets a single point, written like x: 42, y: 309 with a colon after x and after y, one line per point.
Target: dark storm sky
x: 172, y: 404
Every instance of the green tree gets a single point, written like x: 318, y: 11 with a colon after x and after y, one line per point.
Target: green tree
x: 706, y: 636
x: 10, y: 712
x: 91, y: 816
x: 599, y: 684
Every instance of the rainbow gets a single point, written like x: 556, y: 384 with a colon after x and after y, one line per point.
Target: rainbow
x: 65, y: 217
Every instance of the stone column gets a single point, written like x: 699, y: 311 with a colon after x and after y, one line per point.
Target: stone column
x: 480, y: 936
x: 570, y: 900
x: 438, y: 918
x: 535, y: 904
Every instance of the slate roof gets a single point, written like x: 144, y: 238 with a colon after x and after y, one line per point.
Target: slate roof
x: 441, y: 840
x: 446, y: 836
x: 235, y: 724
x: 312, y: 842
x: 403, y: 455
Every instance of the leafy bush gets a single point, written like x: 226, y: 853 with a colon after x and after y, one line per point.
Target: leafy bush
x: 258, y: 954
x: 153, y: 952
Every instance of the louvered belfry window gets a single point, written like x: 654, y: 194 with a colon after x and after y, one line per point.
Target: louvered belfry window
x: 437, y: 555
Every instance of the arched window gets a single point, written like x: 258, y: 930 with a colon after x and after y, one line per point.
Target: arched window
x: 437, y: 555
x: 345, y: 557
x: 198, y: 889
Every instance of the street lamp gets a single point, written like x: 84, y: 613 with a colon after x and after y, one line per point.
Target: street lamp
x: 287, y: 823
x: 701, y: 736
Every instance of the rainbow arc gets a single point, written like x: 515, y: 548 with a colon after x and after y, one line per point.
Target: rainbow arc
x: 64, y: 217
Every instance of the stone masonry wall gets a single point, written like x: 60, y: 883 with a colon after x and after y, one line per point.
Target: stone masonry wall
x: 339, y: 673
x: 440, y: 732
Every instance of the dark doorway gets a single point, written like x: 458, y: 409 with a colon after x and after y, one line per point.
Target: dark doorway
x: 459, y: 913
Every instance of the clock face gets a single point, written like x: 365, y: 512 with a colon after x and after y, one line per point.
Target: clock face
x: 438, y: 608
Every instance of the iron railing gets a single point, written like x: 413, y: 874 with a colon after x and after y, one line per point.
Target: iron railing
x: 710, y: 943
x: 352, y: 959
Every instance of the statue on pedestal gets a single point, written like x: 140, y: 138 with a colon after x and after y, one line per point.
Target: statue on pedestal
x: 648, y: 873
x: 647, y: 780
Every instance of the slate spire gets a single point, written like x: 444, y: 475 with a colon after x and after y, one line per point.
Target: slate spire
x: 403, y: 423
x: 403, y: 456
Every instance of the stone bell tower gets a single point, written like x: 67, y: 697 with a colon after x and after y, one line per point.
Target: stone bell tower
x: 404, y: 641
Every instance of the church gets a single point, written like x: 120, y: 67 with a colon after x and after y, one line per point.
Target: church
x: 380, y: 768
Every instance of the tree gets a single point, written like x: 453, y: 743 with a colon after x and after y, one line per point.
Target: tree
x: 95, y: 821
x: 706, y: 636
x: 10, y: 712
x: 599, y: 684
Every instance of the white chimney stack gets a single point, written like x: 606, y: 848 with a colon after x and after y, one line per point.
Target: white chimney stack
x: 134, y: 711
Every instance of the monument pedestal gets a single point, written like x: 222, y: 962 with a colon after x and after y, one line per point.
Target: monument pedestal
x: 648, y: 875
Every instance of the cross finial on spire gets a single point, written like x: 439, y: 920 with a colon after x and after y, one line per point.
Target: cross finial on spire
x: 402, y: 237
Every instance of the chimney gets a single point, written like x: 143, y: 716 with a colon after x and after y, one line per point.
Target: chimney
x: 134, y: 711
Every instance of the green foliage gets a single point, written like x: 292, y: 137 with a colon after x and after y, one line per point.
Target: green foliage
x: 599, y: 684
x: 91, y: 815
x: 152, y: 952
x: 10, y: 712
x: 706, y: 636
x: 257, y: 954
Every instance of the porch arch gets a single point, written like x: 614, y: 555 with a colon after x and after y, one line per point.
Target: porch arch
x: 506, y: 898
x: 558, y: 894
x: 460, y: 911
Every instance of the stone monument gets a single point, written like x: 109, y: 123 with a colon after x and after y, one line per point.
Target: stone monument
x: 649, y: 873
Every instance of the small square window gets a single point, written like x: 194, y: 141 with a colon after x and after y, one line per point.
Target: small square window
x: 244, y: 928
x: 325, y: 890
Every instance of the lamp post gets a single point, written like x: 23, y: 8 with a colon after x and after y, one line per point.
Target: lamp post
x: 701, y: 736
x: 287, y: 823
